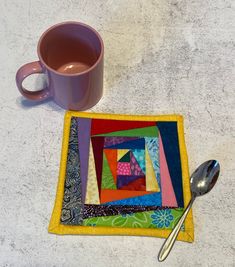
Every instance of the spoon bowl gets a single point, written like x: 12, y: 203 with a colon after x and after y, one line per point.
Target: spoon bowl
x: 204, y: 178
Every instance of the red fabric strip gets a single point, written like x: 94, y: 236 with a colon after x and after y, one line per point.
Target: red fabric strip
x: 98, y: 144
x: 137, y: 185
x: 99, y: 126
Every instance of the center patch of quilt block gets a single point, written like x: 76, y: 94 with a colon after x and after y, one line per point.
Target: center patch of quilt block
x: 130, y: 166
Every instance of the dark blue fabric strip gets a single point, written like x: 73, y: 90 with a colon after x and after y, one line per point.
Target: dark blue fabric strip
x: 169, y: 135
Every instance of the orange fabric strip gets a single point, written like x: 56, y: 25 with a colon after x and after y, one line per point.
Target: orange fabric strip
x: 108, y: 195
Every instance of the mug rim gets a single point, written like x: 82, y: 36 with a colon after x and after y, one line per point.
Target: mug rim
x: 75, y: 23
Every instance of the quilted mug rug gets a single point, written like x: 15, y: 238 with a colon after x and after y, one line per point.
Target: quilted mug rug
x: 122, y: 175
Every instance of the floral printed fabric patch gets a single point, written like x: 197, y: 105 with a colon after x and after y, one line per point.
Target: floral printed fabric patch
x: 162, y: 218
x: 121, y: 174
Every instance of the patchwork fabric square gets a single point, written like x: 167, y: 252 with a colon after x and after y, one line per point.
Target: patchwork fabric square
x: 122, y: 174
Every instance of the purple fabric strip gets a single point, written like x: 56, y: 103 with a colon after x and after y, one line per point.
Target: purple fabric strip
x: 90, y: 211
x: 114, y: 140
x: 123, y: 180
x: 84, y: 128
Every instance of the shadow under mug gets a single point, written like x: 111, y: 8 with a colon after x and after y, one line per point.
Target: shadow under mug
x: 71, y: 55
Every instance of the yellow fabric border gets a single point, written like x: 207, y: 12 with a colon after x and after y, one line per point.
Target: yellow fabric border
x: 57, y: 228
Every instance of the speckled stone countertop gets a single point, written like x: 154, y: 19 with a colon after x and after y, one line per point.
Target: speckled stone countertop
x: 160, y: 57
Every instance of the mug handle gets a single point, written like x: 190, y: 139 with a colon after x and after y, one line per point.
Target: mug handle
x: 25, y: 71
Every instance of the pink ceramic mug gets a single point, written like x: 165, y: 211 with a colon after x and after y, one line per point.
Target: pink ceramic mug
x: 71, y: 55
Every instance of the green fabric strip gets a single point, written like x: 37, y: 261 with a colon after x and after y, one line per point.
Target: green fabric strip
x: 140, y: 132
x: 107, y: 177
x: 163, y: 219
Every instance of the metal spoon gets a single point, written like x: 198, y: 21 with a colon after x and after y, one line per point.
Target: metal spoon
x: 201, y: 182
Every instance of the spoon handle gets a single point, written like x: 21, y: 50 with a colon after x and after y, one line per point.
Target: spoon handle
x: 169, y: 242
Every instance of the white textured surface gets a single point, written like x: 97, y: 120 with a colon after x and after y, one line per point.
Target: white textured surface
x: 160, y: 57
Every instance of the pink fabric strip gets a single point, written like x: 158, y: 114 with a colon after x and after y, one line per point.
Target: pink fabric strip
x: 168, y: 194
x: 123, y: 168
